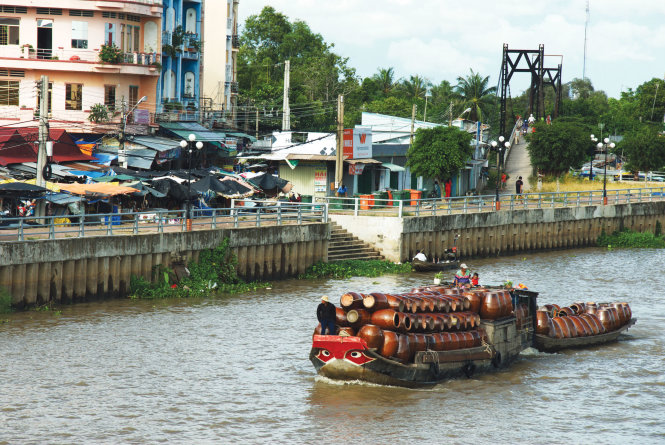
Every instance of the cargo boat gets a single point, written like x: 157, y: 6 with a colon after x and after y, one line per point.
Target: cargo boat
x: 350, y: 358
x: 580, y: 325
x: 545, y: 343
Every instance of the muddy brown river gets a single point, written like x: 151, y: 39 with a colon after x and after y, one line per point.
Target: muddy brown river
x: 236, y: 369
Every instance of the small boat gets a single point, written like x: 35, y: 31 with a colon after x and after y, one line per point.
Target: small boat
x: 426, y: 266
x: 545, y: 343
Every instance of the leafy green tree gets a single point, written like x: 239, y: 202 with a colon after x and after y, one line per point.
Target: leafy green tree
x: 473, y: 93
x: 414, y: 88
x: 645, y: 150
x: 391, y: 106
x: 558, y: 147
x: 439, y: 152
x: 650, y: 98
x: 318, y: 75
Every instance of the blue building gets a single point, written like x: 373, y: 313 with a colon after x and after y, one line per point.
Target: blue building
x: 181, y: 58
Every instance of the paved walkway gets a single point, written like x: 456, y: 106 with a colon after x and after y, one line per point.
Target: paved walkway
x: 518, y: 164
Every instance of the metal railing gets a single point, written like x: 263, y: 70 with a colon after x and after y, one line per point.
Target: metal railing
x: 157, y: 221
x: 363, y: 205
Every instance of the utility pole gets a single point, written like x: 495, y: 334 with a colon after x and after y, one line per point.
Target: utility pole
x: 122, y: 155
x: 450, y: 111
x: 413, y: 122
x: 257, y: 123
x: 43, y: 137
x: 286, y: 116
x: 339, y: 158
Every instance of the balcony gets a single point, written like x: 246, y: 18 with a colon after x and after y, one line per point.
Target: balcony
x: 82, y: 60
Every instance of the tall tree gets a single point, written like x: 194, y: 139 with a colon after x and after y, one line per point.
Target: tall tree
x: 556, y: 148
x: 385, y: 80
x: 645, y: 150
x: 473, y: 93
x: 415, y: 87
x: 439, y: 152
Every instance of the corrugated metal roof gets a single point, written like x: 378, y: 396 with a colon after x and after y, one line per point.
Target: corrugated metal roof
x: 156, y: 143
x: 141, y: 158
x: 184, y: 129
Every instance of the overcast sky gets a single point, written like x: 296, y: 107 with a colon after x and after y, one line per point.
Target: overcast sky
x: 442, y: 39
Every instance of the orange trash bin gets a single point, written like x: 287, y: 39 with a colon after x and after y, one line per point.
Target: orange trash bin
x: 415, y: 195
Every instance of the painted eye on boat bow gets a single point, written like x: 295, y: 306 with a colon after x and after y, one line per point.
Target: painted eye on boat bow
x: 324, y: 355
x: 357, y: 357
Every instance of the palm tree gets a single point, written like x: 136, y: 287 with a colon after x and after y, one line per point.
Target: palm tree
x: 473, y: 93
x: 385, y: 78
x: 415, y: 87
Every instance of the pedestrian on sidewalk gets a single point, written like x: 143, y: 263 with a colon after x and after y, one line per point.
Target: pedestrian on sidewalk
x: 519, y: 184
x: 504, y: 178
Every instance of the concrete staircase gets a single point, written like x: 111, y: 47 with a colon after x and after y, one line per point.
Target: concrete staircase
x: 344, y: 246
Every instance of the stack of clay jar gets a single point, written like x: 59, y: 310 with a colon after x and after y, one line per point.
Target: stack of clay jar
x: 581, y: 319
x: 399, y: 325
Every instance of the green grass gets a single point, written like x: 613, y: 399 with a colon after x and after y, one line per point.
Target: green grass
x: 354, y: 268
x: 628, y: 238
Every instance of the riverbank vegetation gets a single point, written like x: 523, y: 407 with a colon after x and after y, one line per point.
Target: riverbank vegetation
x: 213, y: 273
x: 354, y: 268
x: 570, y: 183
x: 630, y: 239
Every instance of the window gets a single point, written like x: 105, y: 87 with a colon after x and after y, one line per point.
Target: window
x: 81, y: 13
x: 9, y: 31
x: 109, y: 97
x: 79, y: 35
x: 137, y: 31
x: 109, y: 32
x: 73, y: 96
x: 133, y: 96
x: 9, y: 92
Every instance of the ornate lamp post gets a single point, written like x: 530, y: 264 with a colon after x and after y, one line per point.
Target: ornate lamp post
x: 500, y: 148
x: 594, y: 139
x: 185, y: 144
x: 604, y: 145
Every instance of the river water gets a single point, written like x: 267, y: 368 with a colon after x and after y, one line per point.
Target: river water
x: 236, y: 369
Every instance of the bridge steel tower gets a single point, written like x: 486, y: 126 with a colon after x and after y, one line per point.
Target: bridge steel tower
x: 529, y: 61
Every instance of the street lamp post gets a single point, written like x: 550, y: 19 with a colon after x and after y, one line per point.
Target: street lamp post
x: 124, y: 128
x: 500, y: 147
x: 604, y: 145
x: 594, y: 139
x: 185, y: 144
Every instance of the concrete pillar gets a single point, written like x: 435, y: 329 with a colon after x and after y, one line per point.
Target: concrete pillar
x: 302, y: 257
x: 6, y: 278
x: 268, y: 261
x: 68, y: 280
x: 113, y: 277
x: 278, y: 260
x: 91, y: 277
x: 18, y: 285
x: 31, y: 281
x: 56, y: 281
x: 103, y: 277
x: 146, y: 266
x: 251, y: 263
x: 44, y: 283
x: 124, y: 275
x: 241, y: 254
x: 80, y: 274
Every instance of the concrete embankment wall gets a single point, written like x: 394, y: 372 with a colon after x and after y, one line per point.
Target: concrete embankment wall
x: 501, y: 233
x: 76, y: 269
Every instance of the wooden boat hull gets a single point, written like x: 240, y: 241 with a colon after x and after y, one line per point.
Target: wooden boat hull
x: 550, y: 344
x: 425, y: 266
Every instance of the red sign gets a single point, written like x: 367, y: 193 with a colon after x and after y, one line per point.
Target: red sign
x: 347, y: 152
x: 356, y: 169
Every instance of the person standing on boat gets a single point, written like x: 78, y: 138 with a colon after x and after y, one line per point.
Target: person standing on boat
x: 463, y: 276
x: 325, y: 312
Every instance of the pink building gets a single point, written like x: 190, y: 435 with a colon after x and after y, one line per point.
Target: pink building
x: 64, y: 43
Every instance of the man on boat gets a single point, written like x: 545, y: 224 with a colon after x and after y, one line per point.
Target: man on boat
x: 325, y: 312
x: 420, y: 256
x: 463, y: 276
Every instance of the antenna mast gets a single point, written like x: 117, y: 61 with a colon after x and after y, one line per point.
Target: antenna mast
x: 586, y: 25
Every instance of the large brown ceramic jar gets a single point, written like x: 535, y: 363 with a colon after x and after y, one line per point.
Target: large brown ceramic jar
x: 543, y: 323
x: 390, y: 344
x: 373, y: 336
x: 358, y: 317
x: 404, y: 350
x: 492, y: 307
x: 475, y: 300
x: 351, y: 300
